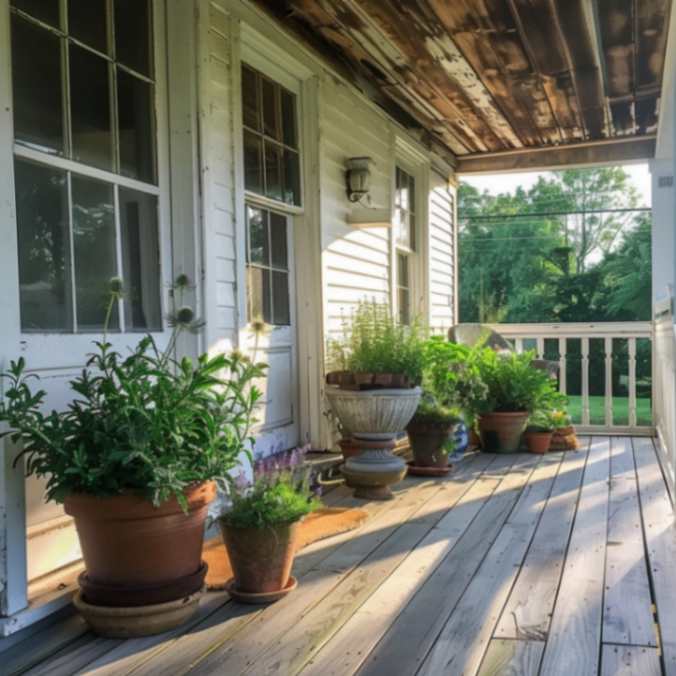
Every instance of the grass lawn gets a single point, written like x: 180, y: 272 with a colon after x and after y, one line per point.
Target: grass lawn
x: 620, y: 410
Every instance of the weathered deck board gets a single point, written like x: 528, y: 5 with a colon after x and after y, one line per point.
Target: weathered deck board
x: 272, y: 646
x: 627, y: 615
x: 404, y: 647
x: 627, y: 660
x: 574, y: 641
x: 660, y: 534
x: 512, y: 658
x: 461, y: 645
x: 529, y: 607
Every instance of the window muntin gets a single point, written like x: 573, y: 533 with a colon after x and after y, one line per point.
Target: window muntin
x: 405, y: 209
x: 75, y: 231
x: 267, y: 267
x: 271, y: 153
x: 403, y: 288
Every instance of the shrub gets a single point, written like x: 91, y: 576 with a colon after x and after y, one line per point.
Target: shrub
x: 144, y: 423
x: 269, y: 502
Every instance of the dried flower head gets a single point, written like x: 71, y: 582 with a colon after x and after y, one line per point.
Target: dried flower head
x: 184, y: 315
x: 182, y: 281
x: 116, y: 286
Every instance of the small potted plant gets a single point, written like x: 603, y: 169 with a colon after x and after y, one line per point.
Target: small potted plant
x: 514, y: 389
x: 564, y: 437
x: 260, y: 532
x: 134, y: 458
x: 538, y: 435
x: 383, y: 360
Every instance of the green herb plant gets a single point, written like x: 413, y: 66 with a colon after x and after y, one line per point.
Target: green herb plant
x: 271, y: 501
x: 144, y: 423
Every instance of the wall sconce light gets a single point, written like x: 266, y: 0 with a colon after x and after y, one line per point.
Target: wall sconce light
x: 358, y: 177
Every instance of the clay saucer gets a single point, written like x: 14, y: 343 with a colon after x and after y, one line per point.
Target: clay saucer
x: 415, y: 470
x: 259, y: 597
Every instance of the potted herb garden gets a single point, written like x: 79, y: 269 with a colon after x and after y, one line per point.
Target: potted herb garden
x: 375, y: 394
x: 134, y: 458
x: 539, y: 432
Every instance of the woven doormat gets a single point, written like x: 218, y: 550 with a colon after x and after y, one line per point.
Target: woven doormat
x: 321, y: 524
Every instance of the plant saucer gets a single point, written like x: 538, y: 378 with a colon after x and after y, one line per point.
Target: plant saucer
x: 416, y: 470
x: 259, y: 597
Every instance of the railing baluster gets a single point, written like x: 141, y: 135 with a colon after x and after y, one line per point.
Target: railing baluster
x: 585, y: 380
x: 632, y: 382
x: 540, y: 347
x: 518, y: 345
x: 608, y: 391
x: 562, y: 365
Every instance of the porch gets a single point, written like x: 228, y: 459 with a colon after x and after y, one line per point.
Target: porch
x: 523, y: 564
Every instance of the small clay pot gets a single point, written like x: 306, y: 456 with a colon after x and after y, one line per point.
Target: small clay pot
x: 383, y: 379
x: 128, y: 543
x: 261, y: 558
x: 363, y: 380
x: 427, y: 443
x: 501, y: 431
x: 400, y: 381
x: 349, y: 448
x: 538, y: 442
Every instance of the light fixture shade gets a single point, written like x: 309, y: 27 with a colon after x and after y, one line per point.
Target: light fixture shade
x: 358, y: 177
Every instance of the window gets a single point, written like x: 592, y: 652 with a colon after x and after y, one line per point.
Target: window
x: 267, y: 267
x: 83, y: 91
x: 403, y: 289
x: 271, y: 157
x: 404, y: 204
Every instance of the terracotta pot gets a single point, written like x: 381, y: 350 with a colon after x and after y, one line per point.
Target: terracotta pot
x: 427, y: 443
x: 126, y: 542
x: 538, y: 442
x: 501, y: 432
x: 383, y: 379
x: 564, y: 439
x: 349, y: 448
x: 261, y: 558
x: 363, y: 380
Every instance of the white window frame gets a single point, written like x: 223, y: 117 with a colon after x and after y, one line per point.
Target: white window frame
x: 115, y: 180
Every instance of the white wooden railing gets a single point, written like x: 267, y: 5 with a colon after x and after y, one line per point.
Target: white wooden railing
x: 533, y: 336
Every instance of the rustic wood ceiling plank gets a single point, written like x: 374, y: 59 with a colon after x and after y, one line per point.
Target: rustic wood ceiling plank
x: 652, y: 25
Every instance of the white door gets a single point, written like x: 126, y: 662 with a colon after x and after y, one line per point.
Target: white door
x: 271, y: 307
x: 88, y: 171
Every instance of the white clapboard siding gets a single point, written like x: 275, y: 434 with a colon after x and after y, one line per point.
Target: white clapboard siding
x: 441, y: 264
x: 217, y: 148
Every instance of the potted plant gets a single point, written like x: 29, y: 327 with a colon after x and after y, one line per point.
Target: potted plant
x: 260, y: 532
x: 134, y: 458
x: 538, y: 435
x: 384, y: 363
x: 514, y: 389
x: 564, y: 437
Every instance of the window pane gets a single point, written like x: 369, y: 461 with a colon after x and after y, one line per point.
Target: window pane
x: 271, y: 125
x: 140, y: 261
x: 280, y: 298
x: 250, y: 99
x: 253, y: 163
x: 404, y: 306
x: 36, y: 81
x: 136, y: 120
x: 45, y: 10
x: 289, y: 118
x: 258, y: 236
x: 44, y: 259
x: 258, y: 289
x: 291, y: 177
x: 278, y: 241
x: 411, y: 230
x: 402, y: 270
x: 94, y: 251
x: 90, y: 108
x: 87, y: 22
x: 273, y: 171
x: 132, y: 35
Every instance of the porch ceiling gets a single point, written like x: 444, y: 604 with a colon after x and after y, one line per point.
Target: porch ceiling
x: 493, y: 76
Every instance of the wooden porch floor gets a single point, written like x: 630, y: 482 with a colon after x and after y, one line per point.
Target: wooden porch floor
x: 562, y: 564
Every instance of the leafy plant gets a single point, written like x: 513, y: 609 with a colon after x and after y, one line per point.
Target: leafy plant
x: 272, y: 500
x: 374, y: 342
x: 541, y: 420
x: 513, y: 383
x: 431, y: 411
x: 145, y: 423
x: 560, y: 418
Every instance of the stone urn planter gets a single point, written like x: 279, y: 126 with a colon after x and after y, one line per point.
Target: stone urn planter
x: 374, y: 418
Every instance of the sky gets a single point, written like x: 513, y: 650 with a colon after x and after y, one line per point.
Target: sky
x: 497, y: 183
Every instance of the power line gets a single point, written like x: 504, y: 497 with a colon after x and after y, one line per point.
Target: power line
x: 544, y: 214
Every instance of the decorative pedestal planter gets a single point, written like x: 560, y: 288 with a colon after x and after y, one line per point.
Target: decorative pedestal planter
x: 374, y: 417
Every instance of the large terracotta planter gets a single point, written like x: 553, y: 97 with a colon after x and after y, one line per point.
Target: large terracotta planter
x: 131, y: 547
x: 501, y: 432
x: 261, y: 558
x: 538, y: 442
x: 374, y: 418
x: 427, y: 442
